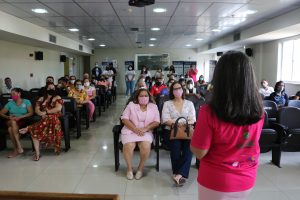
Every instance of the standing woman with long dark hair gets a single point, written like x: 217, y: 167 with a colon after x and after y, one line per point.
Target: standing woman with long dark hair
x: 226, y: 137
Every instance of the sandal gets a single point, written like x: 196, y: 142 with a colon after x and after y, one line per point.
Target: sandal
x: 179, y: 180
x: 23, y: 130
x: 36, y: 157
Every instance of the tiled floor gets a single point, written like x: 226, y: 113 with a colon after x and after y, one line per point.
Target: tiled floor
x: 88, y: 168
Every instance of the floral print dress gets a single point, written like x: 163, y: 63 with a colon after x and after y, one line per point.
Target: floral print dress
x: 48, y: 130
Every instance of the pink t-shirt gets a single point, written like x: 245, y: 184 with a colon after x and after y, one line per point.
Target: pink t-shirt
x: 232, y: 159
x: 192, y: 73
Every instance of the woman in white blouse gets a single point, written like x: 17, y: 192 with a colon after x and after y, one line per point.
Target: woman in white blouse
x: 180, y: 153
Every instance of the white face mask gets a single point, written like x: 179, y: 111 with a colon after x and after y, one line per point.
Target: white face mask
x: 87, y: 84
x: 72, y: 81
x: 190, y: 86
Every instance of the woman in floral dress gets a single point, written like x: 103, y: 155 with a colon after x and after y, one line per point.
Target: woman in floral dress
x: 48, y: 130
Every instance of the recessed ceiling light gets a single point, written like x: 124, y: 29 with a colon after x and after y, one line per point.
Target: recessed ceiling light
x: 188, y: 45
x: 73, y: 29
x: 91, y: 39
x: 104, y: 147
x: 151, y: 45
x: 153, y: 39
x: 155, y: 29
x: 215, y: 30
x: 199, y: 39
x: 39, y: 10
x: 159, y: 10
x: 250, y: 12
x: 102, y: 45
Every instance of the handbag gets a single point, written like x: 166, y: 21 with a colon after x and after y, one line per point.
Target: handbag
x: 181, y: 133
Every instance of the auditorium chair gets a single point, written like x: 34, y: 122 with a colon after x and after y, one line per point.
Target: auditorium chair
x: 72, y: 112
x: 271, y: 108
x: 294, y: 103
x: 119, y: 146
x: 288, y: 128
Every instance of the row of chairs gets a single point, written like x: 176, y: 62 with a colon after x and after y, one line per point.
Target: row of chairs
x: 156, y: 132
x: 71, y: 114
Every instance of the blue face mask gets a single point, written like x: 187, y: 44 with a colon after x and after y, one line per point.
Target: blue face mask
x: 78, y: 87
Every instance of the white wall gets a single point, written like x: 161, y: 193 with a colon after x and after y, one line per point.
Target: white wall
x: 122, y: 55
x: 265, y: 61
x: 16, y: 64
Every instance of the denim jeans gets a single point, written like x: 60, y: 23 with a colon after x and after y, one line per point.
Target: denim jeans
x: 129, y: 87
x: 181, y: 157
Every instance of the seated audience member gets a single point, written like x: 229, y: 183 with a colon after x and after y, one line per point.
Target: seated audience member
x: 180, y: 153
x: 8, y: 86
x: 190, y: 90
x: 140, y: 117
x: 158, y: 87
x: 109, y: 74
x: 265, y: 89
x: 86, y: 76
x: 201, y: 82
x: 48, y: 130
x: 42, y: 91
x: 103, y: 81
x: 159, y: 73
x: 279, y: 96
x: 79, y: 94
x: 170, y: 82
x: 297, y: 96
x: 62, y: 87
x: 172, y: 74
x: 18, y: 110
x: 71, y: 83
x: 91, y: 92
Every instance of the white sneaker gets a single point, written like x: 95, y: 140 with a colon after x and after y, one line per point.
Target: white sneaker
x: 129, y: 175
x: 138, y: 175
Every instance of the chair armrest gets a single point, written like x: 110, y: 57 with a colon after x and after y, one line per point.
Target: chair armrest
x: 283, y: 131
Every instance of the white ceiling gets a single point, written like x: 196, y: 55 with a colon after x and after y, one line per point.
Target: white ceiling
x: 109, y: 21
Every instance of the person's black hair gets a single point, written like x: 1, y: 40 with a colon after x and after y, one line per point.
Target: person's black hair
x: 63, y: 79
x: 146, y: 71
x: 6, y: 78
x: 276, y: 87
x: 46, y: 94
x: 50, y: 77
x: 78, y: 80
x: 137, y: 93
x: 189, y: 82
x: 235, y: 98
x: 18, y: 90
x: 172, y: 69
x: 171, y: 95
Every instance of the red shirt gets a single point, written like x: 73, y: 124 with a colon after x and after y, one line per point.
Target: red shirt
x: 232, y: 159
x: 155, y: 90
x: 192, y: 73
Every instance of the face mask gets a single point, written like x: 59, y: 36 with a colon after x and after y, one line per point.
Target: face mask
x: 143, y: 100
x: 72, y: 81
x: 78, y: 87
x: 201, y: 79
x: 158, y: 83
x: 87, y: 84
x: 190, y: 86
x: 59, y: 85
x: 15, y: 97
x: 178, y: 93
x: 130, y: 69
x: 51, y: 92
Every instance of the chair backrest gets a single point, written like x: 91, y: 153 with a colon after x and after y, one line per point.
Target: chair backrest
x: 266, y: 120
x: 271, y: 108
x: 197, y: 102
x: 5, y: 98
x: 160, y: 100
x: 289, y: 117
x: 70, y: 104
x: 294, y: 103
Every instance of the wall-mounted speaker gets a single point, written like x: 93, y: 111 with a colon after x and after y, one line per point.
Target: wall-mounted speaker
x: 38, y: 55
x: 63, y: 58
x: 249, y: 52
x: 219, y: 53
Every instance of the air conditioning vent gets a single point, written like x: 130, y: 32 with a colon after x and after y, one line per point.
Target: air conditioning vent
x: 138, y: 42
x: 52, y: 38
x: 236, y: 36
x: 80, y: 47
x: 93, y: 51
x: 134, y: 29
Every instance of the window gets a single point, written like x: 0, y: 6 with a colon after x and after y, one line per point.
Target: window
x: 152, y: 61
x: 289, y: 61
